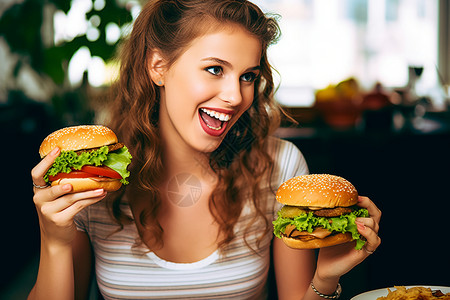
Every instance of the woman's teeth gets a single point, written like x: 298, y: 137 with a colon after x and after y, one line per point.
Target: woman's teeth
x: 220, y: 116
x: 214, y: 128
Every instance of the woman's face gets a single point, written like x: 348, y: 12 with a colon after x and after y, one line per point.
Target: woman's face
x: 208, y: 88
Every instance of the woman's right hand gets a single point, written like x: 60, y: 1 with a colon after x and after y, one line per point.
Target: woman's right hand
x: 57, y: 206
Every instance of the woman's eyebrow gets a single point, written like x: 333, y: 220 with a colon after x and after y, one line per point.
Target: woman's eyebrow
x: 218, y: 61
x: 255, y: 68
x: 226, y: 63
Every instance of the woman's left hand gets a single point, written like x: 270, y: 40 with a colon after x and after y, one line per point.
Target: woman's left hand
x: 335, y: 261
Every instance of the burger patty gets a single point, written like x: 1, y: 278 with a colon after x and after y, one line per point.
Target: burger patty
x: 115, y: 147
x: 332, y: 212
x: 318, y: 233
x: 111, y: 148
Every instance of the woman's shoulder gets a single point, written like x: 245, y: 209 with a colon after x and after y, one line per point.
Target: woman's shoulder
x: 287, y: 157
x: 280, y: 148
x: 274, y: 140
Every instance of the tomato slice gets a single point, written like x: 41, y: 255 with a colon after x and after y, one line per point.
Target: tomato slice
x: 73, y: 174
x: 103, y: 171
x: 88, y: 171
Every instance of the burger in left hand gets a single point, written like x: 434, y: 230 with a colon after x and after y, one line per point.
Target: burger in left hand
x: 319, y: 211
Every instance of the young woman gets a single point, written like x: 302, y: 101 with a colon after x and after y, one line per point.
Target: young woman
x: 194, y: 104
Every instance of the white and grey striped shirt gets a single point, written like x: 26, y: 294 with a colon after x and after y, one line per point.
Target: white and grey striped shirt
x: 125, y: 271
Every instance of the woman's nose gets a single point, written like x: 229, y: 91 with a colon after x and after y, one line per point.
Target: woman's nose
x: 231, y: 92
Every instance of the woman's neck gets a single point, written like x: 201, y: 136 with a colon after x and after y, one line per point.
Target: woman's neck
x: 179, y: 158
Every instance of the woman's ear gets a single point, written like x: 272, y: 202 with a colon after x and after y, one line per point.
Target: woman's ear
x: 156, y: 67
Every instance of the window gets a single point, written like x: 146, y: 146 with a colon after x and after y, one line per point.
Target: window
x: 326, y: 41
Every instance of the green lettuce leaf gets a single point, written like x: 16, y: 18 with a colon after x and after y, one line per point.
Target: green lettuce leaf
x: 119, y: 161
x: 308, y: 222
x: 70, y: 160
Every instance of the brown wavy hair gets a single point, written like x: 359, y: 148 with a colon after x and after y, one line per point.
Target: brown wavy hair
x: 241, y: 161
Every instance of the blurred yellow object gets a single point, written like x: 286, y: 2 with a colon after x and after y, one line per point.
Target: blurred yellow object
x: 327, y: 94
x: 339, y: 105
x: 348, y: 88
x: 344, y: 90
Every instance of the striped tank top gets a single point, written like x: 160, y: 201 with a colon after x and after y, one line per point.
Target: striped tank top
x: 124, y: 271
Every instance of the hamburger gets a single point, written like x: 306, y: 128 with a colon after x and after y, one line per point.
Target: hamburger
x: 91, y: 158
x: 319, y: 211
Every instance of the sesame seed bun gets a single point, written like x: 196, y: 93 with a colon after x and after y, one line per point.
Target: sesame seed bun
x: 317, y: 191
x: 78, y: 138
x: 91, y: 183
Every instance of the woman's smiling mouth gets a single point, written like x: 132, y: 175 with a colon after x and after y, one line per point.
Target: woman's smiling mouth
x: 213, y: 122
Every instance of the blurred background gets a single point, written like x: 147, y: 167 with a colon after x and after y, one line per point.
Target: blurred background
x: 367, y: 82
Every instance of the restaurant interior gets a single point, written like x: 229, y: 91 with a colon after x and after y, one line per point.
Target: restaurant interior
x: 386, y: 130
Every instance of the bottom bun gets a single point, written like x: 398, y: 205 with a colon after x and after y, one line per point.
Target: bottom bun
x: 330, y: 240
x: 87, y: 184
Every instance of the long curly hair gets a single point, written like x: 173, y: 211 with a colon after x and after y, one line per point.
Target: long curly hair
x: 241, y: 161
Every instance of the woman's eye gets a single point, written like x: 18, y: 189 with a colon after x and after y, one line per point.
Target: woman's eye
x: 248, y: 77
x: 214, y: 70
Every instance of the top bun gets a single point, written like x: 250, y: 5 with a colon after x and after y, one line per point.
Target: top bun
x: 317, y: 190
x: 77, y: 138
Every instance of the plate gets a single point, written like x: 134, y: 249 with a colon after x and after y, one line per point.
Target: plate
x: 373, y: 295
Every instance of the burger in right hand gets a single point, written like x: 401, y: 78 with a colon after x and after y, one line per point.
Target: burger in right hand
x: 319, y: 211
x: 91, y: 158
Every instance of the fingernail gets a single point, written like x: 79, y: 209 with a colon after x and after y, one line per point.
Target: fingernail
x: 55, y: 151
x: 67, y: 187
x: 99, y: 191
x: 360, y: 225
